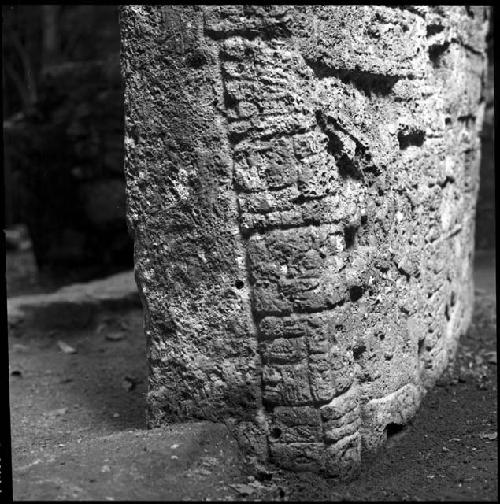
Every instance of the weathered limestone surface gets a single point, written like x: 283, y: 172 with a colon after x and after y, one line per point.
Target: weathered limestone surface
x: 301, y: 186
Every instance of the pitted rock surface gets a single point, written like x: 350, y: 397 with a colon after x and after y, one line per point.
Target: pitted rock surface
x: 301, y: 186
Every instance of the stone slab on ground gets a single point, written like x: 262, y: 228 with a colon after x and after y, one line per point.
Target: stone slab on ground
x: 195, y: 461
x: 75, y: 305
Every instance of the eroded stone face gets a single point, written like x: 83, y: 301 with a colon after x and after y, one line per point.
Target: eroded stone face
x: 301, y: 184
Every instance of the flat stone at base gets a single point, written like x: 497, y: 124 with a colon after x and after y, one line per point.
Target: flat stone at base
x: 75, y: 305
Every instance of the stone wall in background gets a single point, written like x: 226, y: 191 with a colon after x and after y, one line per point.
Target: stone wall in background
x: 302, y: 185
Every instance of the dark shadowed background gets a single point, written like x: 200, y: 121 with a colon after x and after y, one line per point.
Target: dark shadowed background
x: 63, y: 138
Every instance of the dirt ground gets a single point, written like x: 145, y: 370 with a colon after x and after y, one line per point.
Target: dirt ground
x: 78, y: 424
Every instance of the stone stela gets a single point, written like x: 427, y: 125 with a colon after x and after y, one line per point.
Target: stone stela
x: 301, y: 185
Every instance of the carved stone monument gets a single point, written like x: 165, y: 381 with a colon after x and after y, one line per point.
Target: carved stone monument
x: 301, y: 187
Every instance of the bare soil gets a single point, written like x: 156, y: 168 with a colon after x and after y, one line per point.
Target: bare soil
x: 79, y: 431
